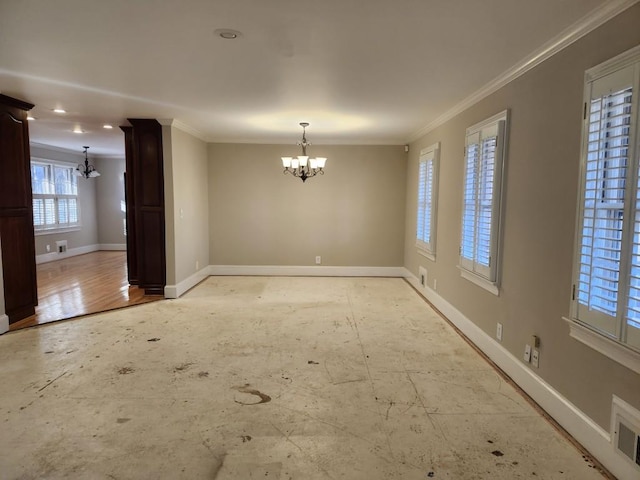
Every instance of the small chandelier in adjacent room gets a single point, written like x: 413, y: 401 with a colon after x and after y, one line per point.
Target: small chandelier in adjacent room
x: 86, y: 170
x: 302, y: 166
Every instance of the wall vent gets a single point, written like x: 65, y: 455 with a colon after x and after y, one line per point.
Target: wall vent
x: 61, y: 246
x: 625, y: 425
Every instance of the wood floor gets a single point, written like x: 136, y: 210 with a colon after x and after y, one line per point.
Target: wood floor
x: 90, y: 283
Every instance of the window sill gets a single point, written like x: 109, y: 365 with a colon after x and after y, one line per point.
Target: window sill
x: 618, y: 352
x: 424, y: 253
x: 479, y: 281
x: 52, y: 231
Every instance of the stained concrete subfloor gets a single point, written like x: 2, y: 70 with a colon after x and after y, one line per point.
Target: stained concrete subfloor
x: 269, y: 378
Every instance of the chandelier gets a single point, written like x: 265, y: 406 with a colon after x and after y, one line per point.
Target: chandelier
x: 86, y: 170
x: 302, y: 166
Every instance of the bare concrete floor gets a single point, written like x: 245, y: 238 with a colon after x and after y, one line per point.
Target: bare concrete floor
x: 270, y: 378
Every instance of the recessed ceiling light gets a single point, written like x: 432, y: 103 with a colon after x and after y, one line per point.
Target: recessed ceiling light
x: 59, y: 110
x: 78, y: 130
x: 227, y: 33
x: 107, y: 126
x: 30, y: 118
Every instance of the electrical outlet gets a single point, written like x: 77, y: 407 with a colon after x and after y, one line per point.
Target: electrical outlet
x: 318, y: 260
x: 197, y: 265
x: 499, y: 332
x: 48, y: 248
x: 435, y: 285
x: 527, y: 353
x: 535, y: 358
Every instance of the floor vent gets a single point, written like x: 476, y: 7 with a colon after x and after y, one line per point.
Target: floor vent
x: 625, y: 422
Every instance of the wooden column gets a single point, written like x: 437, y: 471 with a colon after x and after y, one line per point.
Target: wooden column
x: 16, y: 211
x: 148, y: 205
x: 129, y: 198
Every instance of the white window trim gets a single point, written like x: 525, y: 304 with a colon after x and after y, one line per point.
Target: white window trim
x: 76, y: 227
x: 492, y: 286
x: 482, y: 282
x: 586, y: 334
x: 424, y: 253
x: 422, y: 248
x: 603, y: 344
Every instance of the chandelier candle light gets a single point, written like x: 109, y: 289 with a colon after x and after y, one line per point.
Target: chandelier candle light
x: 86, y: 170
x: 302, y: 166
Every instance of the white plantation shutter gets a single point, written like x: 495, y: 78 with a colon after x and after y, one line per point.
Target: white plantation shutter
x: 470, y: 202
x: 38, y: 212
x: 633, y: 303
x: 63, y: 210
x: 73, y: 210
x: 49, y: 211
x: 605, y: 172
x: 606, y: 287
x: 481, y: 197
x: 427, y: 185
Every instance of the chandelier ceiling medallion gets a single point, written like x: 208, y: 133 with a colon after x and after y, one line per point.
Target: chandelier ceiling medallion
x: 86, y: 170
x: 302, y: 166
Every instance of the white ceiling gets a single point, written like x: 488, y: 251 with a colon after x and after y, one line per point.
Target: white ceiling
x: 359, y: 71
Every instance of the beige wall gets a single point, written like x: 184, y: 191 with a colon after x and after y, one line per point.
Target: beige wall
x: 109, y: 200
x: 351, y: 216
x: 187, y: 204
x: 542, y: 170
x: 88, y: 233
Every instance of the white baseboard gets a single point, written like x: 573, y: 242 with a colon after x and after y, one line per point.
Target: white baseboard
x: 590, y: 435
x: 4, y: 324
x: 176, y: 291
x: 71, y: 252
x: 305, y: 271
x: 112, y: 246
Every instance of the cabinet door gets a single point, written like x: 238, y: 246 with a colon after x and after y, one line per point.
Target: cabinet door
x: 16, y: 211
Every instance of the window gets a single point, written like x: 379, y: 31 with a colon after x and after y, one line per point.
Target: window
x: 606, y: 284
x: 481, y: 206
x: 427, y: 198
x: 55, y: 196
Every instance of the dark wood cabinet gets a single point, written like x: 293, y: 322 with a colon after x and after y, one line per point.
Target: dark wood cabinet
x: 145, y: 198
x: 16, y: 211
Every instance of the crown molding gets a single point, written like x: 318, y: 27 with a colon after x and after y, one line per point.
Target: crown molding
x: 172, y: 122
x: 579, y: 29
